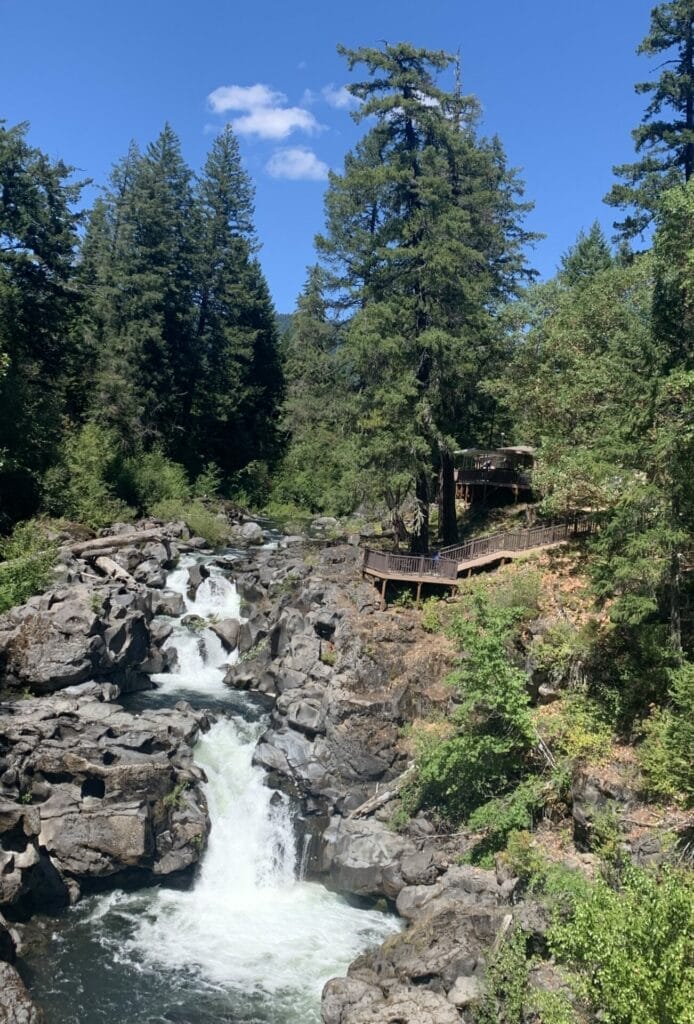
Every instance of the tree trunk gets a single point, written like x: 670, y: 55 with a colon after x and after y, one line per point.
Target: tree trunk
x: 419, y: 541
x: 448, y: 524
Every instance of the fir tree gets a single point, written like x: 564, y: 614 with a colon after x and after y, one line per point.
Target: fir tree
x: 240, y: 383
x: 423, y: 239
x: 665, y: 137
x: 38, y: 236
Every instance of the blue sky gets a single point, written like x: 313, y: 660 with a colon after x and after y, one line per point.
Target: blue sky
x: 555, y: 78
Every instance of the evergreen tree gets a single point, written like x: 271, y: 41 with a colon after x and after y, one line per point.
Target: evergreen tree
x: 423, y: 239
x: 38, y: 236
x: 666, y: 134
x: 588, y: 256
x: 319, y: 469
x: 240, y: 383
x: 142, y: 249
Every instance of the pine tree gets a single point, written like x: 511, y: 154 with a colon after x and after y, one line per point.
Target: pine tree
x: 240, y: 383
x: 666, y: 134
x: 423, y: 239
x: 319, y: 468
x: 38, y: 236
x: 588, y: 256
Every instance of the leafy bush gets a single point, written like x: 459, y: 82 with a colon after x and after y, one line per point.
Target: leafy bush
x: 28, y: 558
x: 579, y: 731
x: 200, y: 520
x: 629, y: 949
x: 491, y: 731
x: 82, y: 485
x: 431, y: 615
x: 665, y: 754
x: 149, y: 478
x: 208, y: 483
x: 507, y: 814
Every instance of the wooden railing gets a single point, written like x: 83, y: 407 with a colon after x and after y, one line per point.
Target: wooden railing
x: 410, y: 565
x: 451, y: 560
x: 519, y: 540
x: 493, y: 476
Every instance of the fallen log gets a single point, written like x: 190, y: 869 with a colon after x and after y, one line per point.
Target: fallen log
x: 379, y: 799
x: 115, y: 571
x: 92, y: 547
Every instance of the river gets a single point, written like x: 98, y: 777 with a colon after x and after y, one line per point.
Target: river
x: 251, y: 942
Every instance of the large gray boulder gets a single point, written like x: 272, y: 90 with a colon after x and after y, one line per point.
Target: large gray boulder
x: 90, y: 792
x: 76, y: 633
x: 16, y: 1006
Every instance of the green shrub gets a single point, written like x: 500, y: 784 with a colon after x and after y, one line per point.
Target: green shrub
x: 431, y: 615
x: 491, y: 731
x: 629, y: 949
x: 666, y: 752
x: 579, y: 732
x: 501, y: 816
x: 148, y: 478
x: 28, y: 559
x: 208, y: 483
x: 200, y: 520
x: 82, y: 485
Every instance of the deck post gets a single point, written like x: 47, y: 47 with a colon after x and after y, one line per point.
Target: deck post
x: 419, y: 594
x: 383, y: 594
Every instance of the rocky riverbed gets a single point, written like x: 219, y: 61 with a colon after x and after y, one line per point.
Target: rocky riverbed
x: 93, y: 796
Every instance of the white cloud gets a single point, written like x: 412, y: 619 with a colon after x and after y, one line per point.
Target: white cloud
x: 339, y: 97
x: 262, y: 111
x: 297, y: 164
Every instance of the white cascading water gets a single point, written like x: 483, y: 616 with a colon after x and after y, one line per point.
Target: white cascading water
x: 249, y: 925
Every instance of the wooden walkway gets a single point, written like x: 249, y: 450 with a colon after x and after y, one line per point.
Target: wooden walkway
x: 446, y: 568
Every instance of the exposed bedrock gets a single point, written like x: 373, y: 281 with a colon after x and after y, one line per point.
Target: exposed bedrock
x: 91, y: 796
x: 96, y: 622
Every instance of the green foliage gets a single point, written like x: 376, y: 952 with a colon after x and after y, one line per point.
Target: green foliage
x: 506, y: 983
x: 629, y: 948
x: 431, y: 615
x: 665, y: 137
x: 174, y: 798
x: 491, y: 731
x: 558, y: 648
x: 82, y: 486
x: 579, y: 731
x: 501, y: 816
x: 200, y: 520
x: 208, y: 482
x: 27, y: 559
x: 665, y: 754
x: 148, y: 478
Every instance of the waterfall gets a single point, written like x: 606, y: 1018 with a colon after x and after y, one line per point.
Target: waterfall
x: 251, y: 941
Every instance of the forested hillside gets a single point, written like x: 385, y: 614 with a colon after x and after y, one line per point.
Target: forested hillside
x: 144, y: 372
x: 138, y: 338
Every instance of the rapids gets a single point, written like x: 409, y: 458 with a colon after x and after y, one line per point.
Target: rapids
x: 251, y: 941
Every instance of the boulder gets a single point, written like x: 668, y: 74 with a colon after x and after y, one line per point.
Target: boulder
x: 68, y: 636
x: 228, y: 632
x: 251, y: 533
x: 93, y: 793
x: 167, y: 602
x: 364, y: 858
x: 16, y: 1006
x: 196, y: 574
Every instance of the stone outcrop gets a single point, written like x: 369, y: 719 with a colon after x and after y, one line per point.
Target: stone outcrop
x: 345, y: 676
x: 91, y: 794
x: 434, y: 969
x: 92, y: 625
x: 16, y: 1006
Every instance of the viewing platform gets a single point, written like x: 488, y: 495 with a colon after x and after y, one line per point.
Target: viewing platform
x: 445, y: 569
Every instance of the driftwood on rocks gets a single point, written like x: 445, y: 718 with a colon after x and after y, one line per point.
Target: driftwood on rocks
x: 379, y: 799
x: 85, y: 549
x: 110, y: 568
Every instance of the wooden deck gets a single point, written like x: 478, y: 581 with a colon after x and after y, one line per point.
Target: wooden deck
x: 452, y: 561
